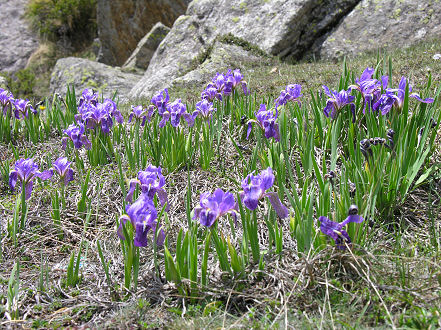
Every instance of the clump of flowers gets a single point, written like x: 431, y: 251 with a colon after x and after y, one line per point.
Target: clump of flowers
x: 292, y: 92
x: 335, y: 229
x: 369, y: 88
x: 213, y: 206
x: 224, y: 84
x: 395, y: 98
x: 337, y: 101
x: 25, y: 171
x: 98, y: 115
x: 254, y: 189
x: 266, y: 120
x: 172, y: 111
x: 142, y: 216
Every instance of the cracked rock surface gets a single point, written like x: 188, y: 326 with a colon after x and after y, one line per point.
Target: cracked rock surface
x: 15, y: 36
x: 377, y: 24
x: 285, y: 28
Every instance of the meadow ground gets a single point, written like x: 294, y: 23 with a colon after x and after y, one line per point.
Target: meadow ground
x: 391, y: 277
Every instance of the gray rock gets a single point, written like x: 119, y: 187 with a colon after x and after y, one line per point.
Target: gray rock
x: 16, y: 38
x: 221, y: 58
x: 377, y: 24
x: 3, y: 82
x: 143, y: 53
x: 83, y: 73
x: 122, y: 23
x: 284, y: 28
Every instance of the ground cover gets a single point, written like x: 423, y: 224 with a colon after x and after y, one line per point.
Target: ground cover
x: 285, y: 246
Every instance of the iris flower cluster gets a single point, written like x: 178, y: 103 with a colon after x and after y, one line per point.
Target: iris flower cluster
x: 224, y: 84
x: 19, y: 107
x: 92, y: 115
x: 394, y: 98
x: 372, y: 96
x: 169, y: 111
x: 142, y: 214
x: 266, y: 120
x: 292, y: 92
x: 213, y: 206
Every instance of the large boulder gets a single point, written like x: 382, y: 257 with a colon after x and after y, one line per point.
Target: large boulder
x: 18, y: 42
x: 83, y: 73
x: 221, y: 57
x: 143, y: 53
x: 122, y: 23
x: 285, y: 28
x: 377, y: 24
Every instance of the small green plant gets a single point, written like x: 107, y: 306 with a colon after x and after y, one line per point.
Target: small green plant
x: 59, y: 19
x: 13, y: 293
x: 73, y: 267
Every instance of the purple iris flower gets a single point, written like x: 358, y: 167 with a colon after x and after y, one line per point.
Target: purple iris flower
x: 335, y: 229
x: 370, y: 89
x: 210, y: 93
x: 222, y: 84
x: 152, y: 182
x: 236, y: 79
x: 205, y: 109
x: 161, y: 100
x: 390, y: 99
x: 98, y: 116
x: 25, y: 172
x: 77, y: 136
x: 142, y: 214
x: 254, y: 188
x: 174, y: 112
x: 212, y: 207
x: 6, y: 99
x: 337, y: 101
x: 266, y: 120
x: 62, y: 167
x: 88, y: 97
x: 112, y: 110
x: 139, y: 113
x: 22, y: 107
x: 291, y: 93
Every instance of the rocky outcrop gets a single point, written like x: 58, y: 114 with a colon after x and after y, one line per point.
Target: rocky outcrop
x: 18, y: 43
x: 122, y: 23
x: 143, y: 53
x: 83, y: 73
x: 285, y: 28
x: 221, y: 57
x: 377, y: 24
